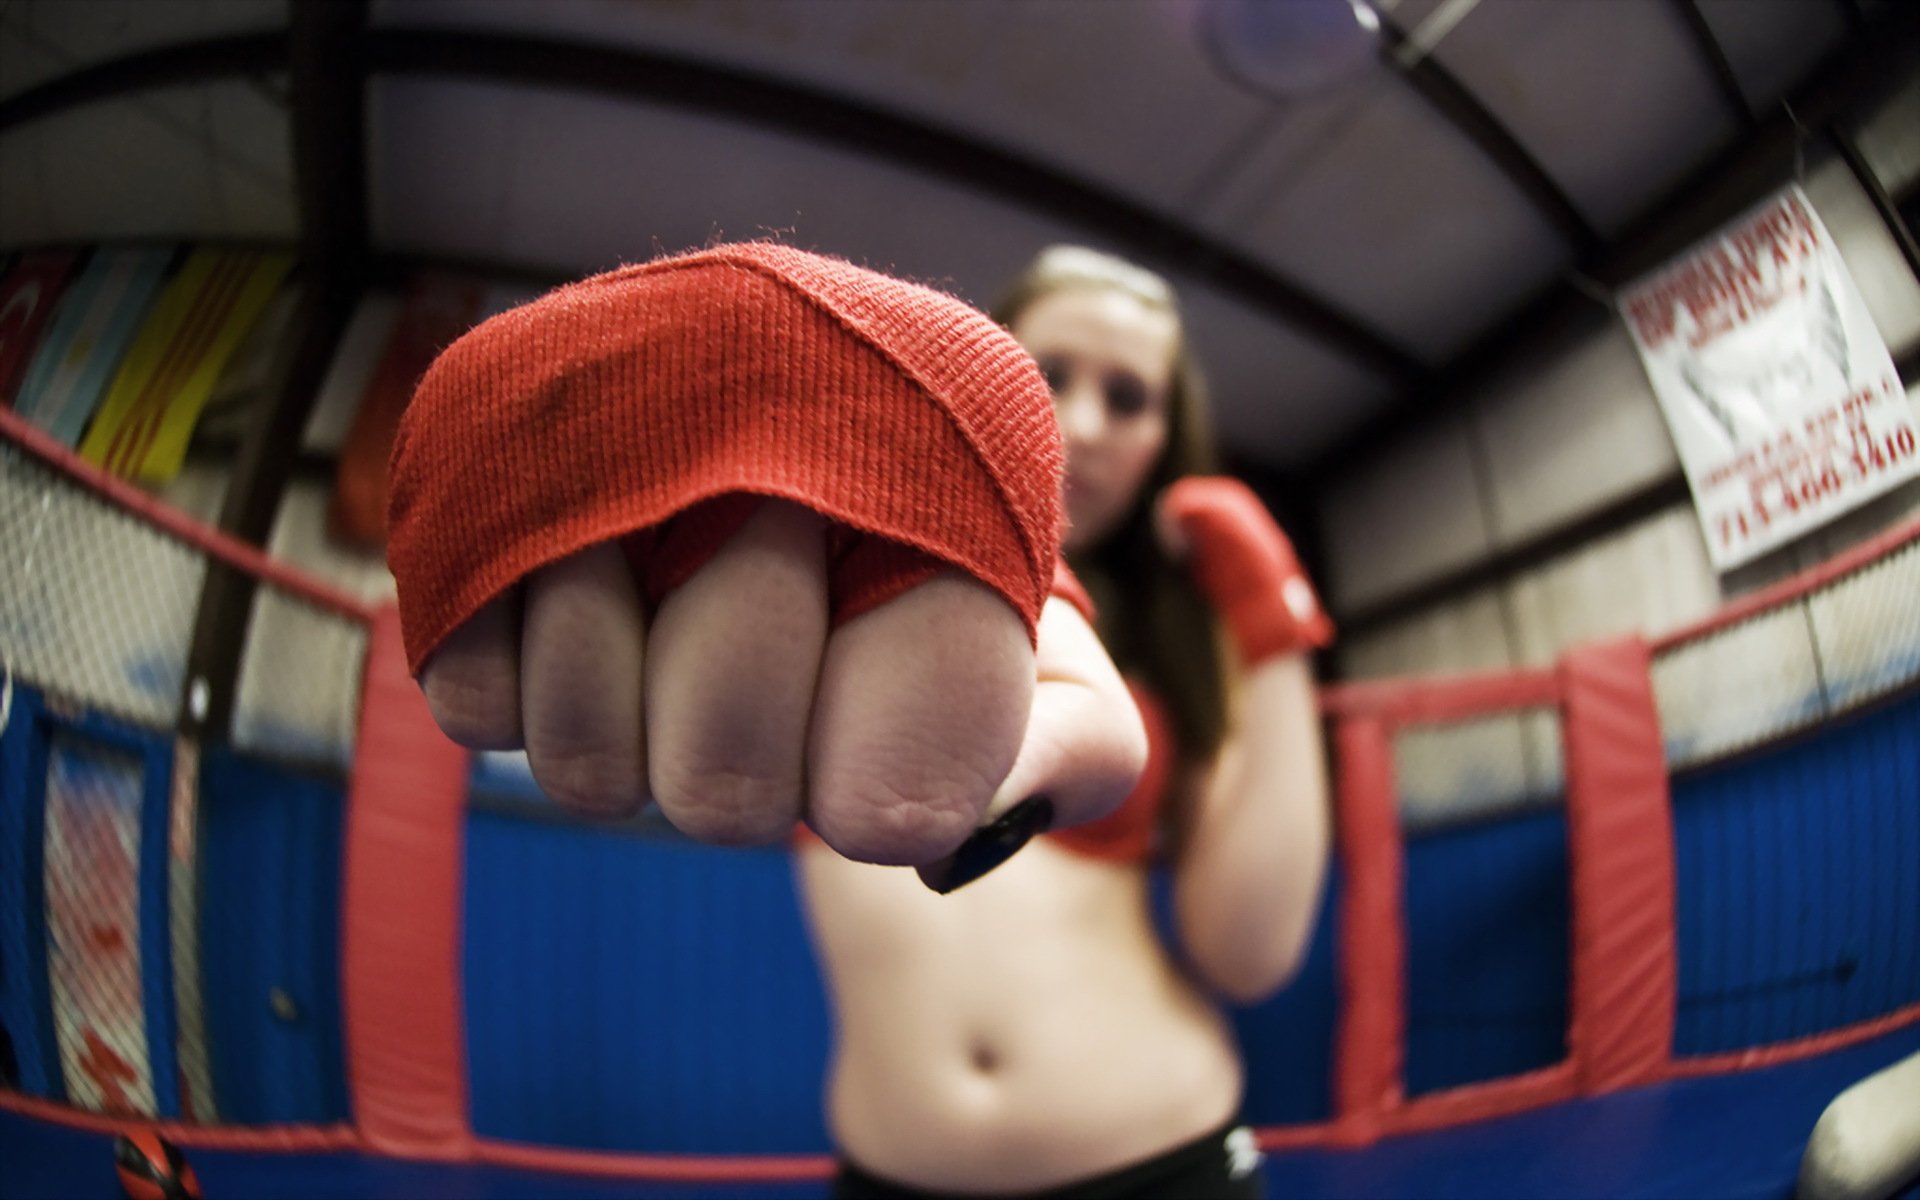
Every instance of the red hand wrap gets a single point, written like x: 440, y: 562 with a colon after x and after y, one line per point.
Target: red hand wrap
x: 1246, y: 567
x: 863, y: 571
x: 617, y: 405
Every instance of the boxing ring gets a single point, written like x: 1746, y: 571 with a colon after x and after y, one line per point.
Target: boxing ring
x: 1622, y: 926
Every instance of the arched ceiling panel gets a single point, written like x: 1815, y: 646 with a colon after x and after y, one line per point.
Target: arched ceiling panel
x: 468, y: 170
x: 1612, y: 98
x: 1773, y: 44
x: 42, y: 40
x: 1279, y: 398
x: 210, y: 161
x: 575, y: 183
x: 1330, y: 245
x: 1115, y: 92
x: 1374, y: 202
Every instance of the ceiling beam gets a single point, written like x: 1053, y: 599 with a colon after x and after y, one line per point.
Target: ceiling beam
x: 1463, y: 110
x: 1877, y: 194
x: 206, y: 61
x: 656, y: 77
x: 329, y: 64
x: 1852, y: 77
x: 665, y: 79
x: 1725, y: 79
x: 325, y: 55
x: 1705, y: 199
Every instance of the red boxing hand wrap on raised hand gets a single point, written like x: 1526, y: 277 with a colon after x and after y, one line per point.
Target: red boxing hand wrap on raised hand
x: 621, y: 404
x: 1246, y: 568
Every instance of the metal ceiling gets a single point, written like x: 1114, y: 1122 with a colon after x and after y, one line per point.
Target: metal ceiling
x: 1351, y: 254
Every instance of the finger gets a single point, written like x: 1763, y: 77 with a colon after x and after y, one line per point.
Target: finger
x: 472, y: 682
x: 1083, y: 751
x: 731, y: 663
x: 921, y: 706
x: 580, y: 662
x: 1085, y: 745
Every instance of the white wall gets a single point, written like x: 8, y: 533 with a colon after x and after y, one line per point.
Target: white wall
x: 1554, y: 437
x: 1559, y: 433
x: 1412, y: 515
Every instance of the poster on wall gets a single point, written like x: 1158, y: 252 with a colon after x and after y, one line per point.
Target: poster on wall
x: 1782, y: 399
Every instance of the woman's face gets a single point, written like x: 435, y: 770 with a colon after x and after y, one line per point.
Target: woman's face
x: 1109, y: 359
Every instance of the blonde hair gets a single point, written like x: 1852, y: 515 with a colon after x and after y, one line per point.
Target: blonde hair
x: 1153, y: 621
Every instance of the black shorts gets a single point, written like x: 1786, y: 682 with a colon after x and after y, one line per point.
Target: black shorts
x: 1223, y: 1165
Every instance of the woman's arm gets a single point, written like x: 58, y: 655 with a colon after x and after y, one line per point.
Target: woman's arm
x: 1251, y: 852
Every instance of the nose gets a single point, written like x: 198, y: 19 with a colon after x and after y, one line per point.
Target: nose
x: 1081, y: 412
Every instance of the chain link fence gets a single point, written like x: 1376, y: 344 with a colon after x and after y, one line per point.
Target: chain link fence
x: 1852, y: 641
x: 98, y: 608
x: 108, y: 979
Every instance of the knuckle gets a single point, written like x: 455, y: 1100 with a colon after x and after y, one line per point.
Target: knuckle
x: 476, y: 707
x: 726, y: 804
x: 895, y: 830
x: 902, y: 807
x: 595, y: 781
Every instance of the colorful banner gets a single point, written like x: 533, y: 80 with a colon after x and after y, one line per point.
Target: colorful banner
x: 28, y: 295
x: 1783, y: 402
x: 200, y: 319
x: 434, y: 313
x: 246, y: 386
x: 90, y: 333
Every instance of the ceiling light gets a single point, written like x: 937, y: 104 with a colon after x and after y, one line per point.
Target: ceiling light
x: 1290, y: 48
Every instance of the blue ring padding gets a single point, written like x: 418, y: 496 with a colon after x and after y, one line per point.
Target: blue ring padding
x: 630, y: 992
x: 1797, y: 880
x: 26, y: 994
x: 1488, y: 913
x: 1731, y: 1137
x: 1803, y: 854
x: 270, y: 910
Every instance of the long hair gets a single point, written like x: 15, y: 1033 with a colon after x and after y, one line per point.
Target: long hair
x: 1152, y: 620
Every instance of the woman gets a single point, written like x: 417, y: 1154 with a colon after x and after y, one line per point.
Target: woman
x: 1030, y: 1032
x: 623, y: 530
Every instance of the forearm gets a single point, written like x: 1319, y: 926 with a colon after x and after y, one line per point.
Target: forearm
x: 1255, y: 850
x: 1252, y: 862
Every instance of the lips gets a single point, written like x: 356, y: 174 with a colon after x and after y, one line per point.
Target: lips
x: 1081, y: 499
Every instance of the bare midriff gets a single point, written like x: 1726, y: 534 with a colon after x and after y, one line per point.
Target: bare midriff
x: 1026, y: 1031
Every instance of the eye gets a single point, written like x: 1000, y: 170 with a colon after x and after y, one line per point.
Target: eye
x: 1126, y: 396
x: 1055, y: 373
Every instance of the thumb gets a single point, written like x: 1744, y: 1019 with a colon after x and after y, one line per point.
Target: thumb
x: 1083, y: 751
x: 1215, y: 512
x: 1245, y: 566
